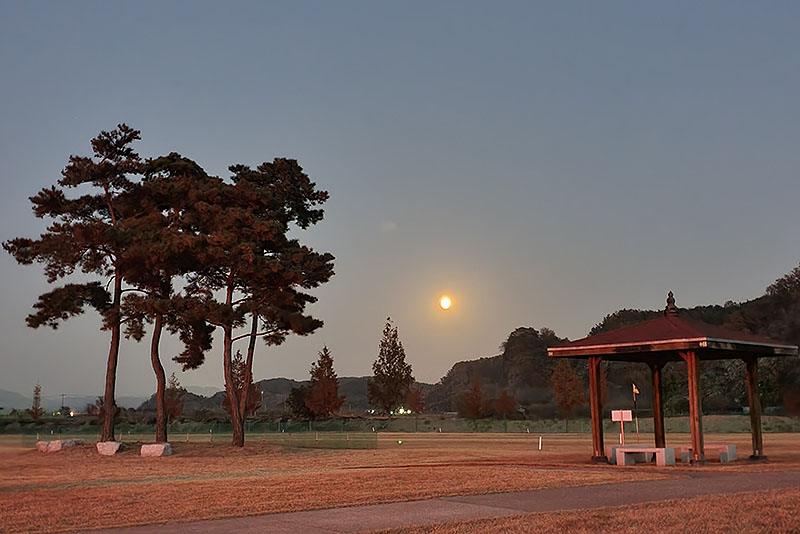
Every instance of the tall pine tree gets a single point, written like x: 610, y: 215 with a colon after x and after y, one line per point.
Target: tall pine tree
x: 86, y: 234
x: 261, y: 273
x: 166, y: 237
x: 392, y: 376
x: 324, y: 399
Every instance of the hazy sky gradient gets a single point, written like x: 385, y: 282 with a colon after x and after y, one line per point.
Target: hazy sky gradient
x: 542, y: 163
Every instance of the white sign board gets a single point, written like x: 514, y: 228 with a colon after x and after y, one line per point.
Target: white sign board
x: 621, y: 415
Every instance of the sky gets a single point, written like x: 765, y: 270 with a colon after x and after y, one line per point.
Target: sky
x: 542, y: 163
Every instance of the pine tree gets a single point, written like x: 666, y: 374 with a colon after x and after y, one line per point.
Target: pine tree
x: 87, y: 234
x: 324, y: 399
x: 249, y: 254
x: 297, y: 402
x: 392, y: 375
x: 567, y: 389
x: 165, y: 242
x: 173, y: 399
x: 36, y: 411
x: 240, y: 379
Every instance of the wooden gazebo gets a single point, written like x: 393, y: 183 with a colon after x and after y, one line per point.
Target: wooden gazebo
x: 672, y: 338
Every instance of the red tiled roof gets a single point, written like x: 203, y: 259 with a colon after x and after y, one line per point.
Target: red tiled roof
x: 665, y: 330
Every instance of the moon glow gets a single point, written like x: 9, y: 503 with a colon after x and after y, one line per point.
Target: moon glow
x: 445, y: 303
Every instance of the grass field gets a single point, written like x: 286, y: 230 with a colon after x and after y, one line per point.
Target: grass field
x: 78, y: 489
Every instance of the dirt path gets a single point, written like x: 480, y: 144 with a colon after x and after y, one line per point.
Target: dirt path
x: 447, y: 509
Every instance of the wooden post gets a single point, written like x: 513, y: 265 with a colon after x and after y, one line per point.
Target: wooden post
x: 755, y: 408
x: 695, y: 406
x: 658, y: 407
x: 596, y: 408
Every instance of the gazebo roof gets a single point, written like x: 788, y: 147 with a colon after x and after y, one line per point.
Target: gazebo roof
x: 671, y: 333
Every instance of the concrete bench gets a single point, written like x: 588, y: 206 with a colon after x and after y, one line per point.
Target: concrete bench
x: 727, y: 453
x: 631, y: 455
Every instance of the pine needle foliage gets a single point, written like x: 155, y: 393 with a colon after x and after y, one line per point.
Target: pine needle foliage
x: 392, y: 376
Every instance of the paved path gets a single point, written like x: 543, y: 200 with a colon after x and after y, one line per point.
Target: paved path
x: 446, y: 509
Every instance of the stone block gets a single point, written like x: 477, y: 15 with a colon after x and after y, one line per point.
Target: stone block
x: 108, y: 448
x: 57, y: 445
x: 156, y: 449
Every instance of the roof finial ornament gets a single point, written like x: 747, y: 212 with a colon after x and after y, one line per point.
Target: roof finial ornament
x: 671, y: 308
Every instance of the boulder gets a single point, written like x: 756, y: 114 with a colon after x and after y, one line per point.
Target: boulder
x: 108, y: 448
x: 156, y: 449
x: 57, y: 444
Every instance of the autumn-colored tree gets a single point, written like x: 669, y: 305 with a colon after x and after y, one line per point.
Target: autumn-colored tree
x: 567, y: 389
x: 472, y: 403
x: 504, y: 405
x: 262, y: 273
x: 173, y: 398
x: 392, y: 376
x: 36, y: 411
x: 324, y: 399
x: 239, y: 378
x: 415, y: 400
x: 86, y: 234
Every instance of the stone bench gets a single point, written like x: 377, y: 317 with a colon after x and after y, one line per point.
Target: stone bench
x: 631, y: 455
x: 727, y: 453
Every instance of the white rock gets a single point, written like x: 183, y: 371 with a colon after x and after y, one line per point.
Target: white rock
x: 156, y: 449
x: 108, y: 448
x: 60, y: 444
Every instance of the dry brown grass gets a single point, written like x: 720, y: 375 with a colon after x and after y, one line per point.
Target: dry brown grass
x: 763, y: 512
x: 78, y: 489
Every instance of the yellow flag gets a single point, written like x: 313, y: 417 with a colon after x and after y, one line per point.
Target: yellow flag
x: 635, y: 389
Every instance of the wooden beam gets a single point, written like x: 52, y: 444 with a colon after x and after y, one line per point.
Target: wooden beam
x: 658, y: 407
x: 596, y: 407
x: 695, y: 406
x: 755, y: 408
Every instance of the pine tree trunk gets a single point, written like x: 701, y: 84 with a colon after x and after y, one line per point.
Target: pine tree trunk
x: 230, y: 390
x: 161, y: 381
x: 248, y: 369
x: 109, y: 404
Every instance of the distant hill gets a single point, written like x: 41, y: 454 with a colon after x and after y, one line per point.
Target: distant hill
x: 13, y: 401
x: 204, y: 391
x: 522, y: 370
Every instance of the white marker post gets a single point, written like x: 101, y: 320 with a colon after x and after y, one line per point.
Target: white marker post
x: 621, y: 416
x: 540, y: 442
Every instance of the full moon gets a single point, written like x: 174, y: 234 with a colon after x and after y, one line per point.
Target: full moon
x: 444, y: 303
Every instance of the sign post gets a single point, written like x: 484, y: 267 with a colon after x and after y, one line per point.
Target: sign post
x: 635, y: 411
x: 621, y: 416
